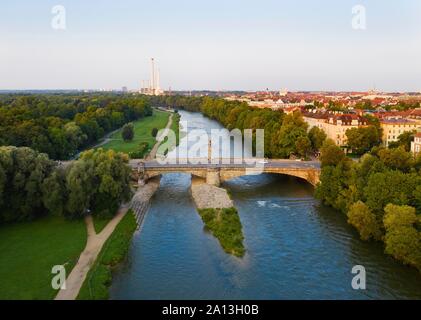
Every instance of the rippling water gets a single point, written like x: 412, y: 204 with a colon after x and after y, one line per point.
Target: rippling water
x: 296, y: 249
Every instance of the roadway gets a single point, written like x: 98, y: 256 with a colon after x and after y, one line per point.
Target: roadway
x: 203, y: 163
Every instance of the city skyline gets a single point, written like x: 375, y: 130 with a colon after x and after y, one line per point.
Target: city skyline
x: 247, y: 46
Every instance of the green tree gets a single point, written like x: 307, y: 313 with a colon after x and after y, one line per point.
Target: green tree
x: 331, y: 154
x: 53, y: 189
x: 404, y: 140
x: 99, y: 181
x: 333, y: 189
x: 396, y: 158
x: 387, y: 187
x: 23, y: 171
x: 293, y: 127
x: 154, y: 132
x: 2, y: 184
x: 303, y: 146
x: 361, y: 217
x: 128, y: 132
x: 403, y: 240
x: 362, y: 139
x: 317, y: 136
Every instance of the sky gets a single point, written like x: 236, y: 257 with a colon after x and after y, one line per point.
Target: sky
x: 214, y: 45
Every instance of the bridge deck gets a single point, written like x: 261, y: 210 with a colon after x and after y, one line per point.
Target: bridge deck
x: 196, y: 164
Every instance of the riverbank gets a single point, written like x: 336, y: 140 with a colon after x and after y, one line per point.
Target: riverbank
x: 94, y: 245
x: 99, y: 277
x: 117, y: 243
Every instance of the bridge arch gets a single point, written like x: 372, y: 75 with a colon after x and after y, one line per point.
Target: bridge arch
x: 311, y: 176
x: 215, y: 176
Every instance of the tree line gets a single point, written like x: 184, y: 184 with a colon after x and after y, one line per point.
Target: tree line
x: 32, y: 185
x: 285, y: 135
x: 380, y: 194
x: 63, y: 124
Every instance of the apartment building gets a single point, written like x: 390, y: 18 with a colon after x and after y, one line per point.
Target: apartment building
x: 416, y: 144
x: 335, y: 125
x: 393, y: 128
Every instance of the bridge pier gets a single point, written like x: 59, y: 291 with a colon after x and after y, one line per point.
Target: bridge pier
x: 213, y: 177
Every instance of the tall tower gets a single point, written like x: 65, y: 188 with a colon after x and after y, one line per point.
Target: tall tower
x: 153, y: 76
x: 158, y: 87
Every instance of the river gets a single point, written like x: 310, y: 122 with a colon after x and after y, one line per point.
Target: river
x: 296, y: 247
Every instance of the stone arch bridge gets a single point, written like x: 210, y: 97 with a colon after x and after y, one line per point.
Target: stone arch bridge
x: 215, y: 174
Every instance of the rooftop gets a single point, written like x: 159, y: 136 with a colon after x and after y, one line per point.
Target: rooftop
x: 397, y: 121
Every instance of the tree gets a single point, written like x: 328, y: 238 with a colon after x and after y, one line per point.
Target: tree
x: 293, y: 127
x: 396, y: 158
x: 303, y: 146
x: 54, y: 193
x: 362, y: 139
x: 99, y: 181
x: 317, y: 136
x: 361, y: 217
x: 334, y: 185
x: 22, y: 173
x: 404, y: 140
x: 80, y: 188
x: 399, y: 216
x: 331, y: 154
x: 128, y: 132
x: 392, y: 187
x: 403, y: 240
x: 154, y: 132
x: 2, y: 184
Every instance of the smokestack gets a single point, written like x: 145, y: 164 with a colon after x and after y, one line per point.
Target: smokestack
x: 157, y: 80
x: 153, y: 75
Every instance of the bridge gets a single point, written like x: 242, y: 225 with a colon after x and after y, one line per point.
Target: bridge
x: 215, y: 174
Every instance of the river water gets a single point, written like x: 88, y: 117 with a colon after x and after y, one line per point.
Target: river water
x: 296, y: 247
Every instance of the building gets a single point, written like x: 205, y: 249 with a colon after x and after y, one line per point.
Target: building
x: 152, y: 86
x: 416, y: 144
x: 393, y: 128
x: 335, y: 125
x: 316, y: 119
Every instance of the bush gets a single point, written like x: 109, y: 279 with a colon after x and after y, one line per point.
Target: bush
x: 140, y: 152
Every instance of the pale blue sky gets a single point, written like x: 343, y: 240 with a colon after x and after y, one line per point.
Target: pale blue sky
x: 218, y: 45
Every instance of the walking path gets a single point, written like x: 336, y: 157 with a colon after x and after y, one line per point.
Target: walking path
x: 93, y: 247
x: 96, y: 241
x: 152, y: 154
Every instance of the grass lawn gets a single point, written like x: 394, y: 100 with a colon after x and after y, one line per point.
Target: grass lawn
x: 29, y: 250
x: 143, y: 133
x: 114, y: 251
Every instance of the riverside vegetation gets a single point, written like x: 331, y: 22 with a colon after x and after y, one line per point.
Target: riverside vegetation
x: 225, y: 225
x: 114, y: 251
x: 46, y: 199
x: 380, y: 194
x: 61, y: 125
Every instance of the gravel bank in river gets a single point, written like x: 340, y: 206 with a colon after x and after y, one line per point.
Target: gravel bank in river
x: 207, y: 196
